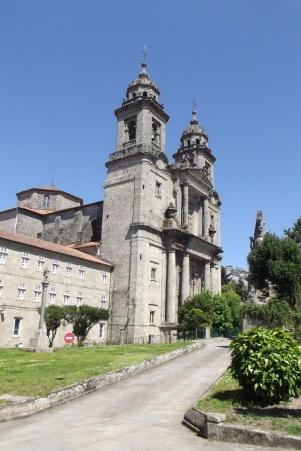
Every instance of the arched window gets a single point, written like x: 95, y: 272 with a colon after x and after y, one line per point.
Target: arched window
x: 197, y: 141
x: 132, y: 130
x: 134, y: 95
x: 144, y: 94
x: 156, y: 132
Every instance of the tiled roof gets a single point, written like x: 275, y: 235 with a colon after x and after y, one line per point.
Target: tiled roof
x: 39, y: 212
x: 82, y: 246
x: 52, y: 247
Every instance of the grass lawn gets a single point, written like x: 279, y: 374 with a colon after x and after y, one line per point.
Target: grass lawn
x: 37, y: 374
x: 227, y: 397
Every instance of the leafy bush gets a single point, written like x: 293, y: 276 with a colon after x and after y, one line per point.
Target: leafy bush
x: 276, y: 312
x: 267, y: 364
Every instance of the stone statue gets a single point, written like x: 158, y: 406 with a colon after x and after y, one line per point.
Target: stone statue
x: 259, y: 231
x: 45, y: 275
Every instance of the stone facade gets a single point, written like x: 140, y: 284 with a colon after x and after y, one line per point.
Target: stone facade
x: 53, y: 215
x: 74, y: 278
x: 161, y: 221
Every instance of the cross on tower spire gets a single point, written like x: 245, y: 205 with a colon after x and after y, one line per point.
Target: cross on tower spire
x: 194, y: 118
x: 143, y: 72
x: 144, y: 55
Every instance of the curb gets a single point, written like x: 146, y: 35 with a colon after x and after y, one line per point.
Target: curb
x: 210, y: 426
x: 28, y: 408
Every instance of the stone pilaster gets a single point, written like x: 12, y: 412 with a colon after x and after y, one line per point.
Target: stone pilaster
x: 207, y: 276
x: 185, y: 205
x: 206, y: 219
x: 179, y: 204
x: 185, y: 277
x: 171, y: 287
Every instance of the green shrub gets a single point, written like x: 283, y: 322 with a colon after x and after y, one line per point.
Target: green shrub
x: 267, y: 365
x: 276, y: 312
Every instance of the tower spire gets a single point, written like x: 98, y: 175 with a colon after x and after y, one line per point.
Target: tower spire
x: 194, y: 119
x: 144, y: 55
x: 143, y: 73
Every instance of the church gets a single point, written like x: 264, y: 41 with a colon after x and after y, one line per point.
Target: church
x: 157, y: 228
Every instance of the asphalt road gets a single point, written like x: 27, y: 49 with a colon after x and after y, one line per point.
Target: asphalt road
x: 141, y: 413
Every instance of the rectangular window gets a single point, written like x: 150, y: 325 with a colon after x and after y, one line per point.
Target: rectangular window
x: 55, y: 266
x: 17, y: 327
x: 21, y: 291
x: 103, y: 300
x: 1, y: 288
x: 153, y: 273
x: 81, y: 272
x: 104, y: 277
x: 52, y: 295
x: 68, y: 269
x: 66, y: 297
x: 79, y: 298
x: 25, y: 260
x: 158, y: 189
x: 40, y: 263
x: 101, y: 330
x: 37, y: 294
x: 3, y: 255
x: 152, y: 317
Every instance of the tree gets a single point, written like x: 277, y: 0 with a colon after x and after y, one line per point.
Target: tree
x: 235, y: 302
x: 222, y: 316
x: 277, y: 261
x: 295, y: 232
x: 222, y: 311
x: 196, y: 312
x: 53, y: 317
x: 83, y: 318
x: 225, y: 278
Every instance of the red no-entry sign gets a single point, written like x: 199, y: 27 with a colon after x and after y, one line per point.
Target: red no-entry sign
x: 69, y: 338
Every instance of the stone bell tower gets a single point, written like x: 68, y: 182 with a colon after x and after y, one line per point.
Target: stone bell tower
x: 137, y: 191
x: 141, y: 118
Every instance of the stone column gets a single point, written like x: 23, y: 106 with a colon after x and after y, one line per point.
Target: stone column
x: 206, y: 218
x: 207, y: 276
x: 40, y: 339
x: 185, y: 277
x: 185, y: 205
x: 171, y: 287
x: 43, y: 306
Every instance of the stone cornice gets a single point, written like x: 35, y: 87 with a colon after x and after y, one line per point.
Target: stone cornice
x: 138, y: 104
x: 135, y: 149
x: 198, y: 148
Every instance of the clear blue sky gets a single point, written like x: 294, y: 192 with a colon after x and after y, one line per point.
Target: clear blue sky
x: 65, y: 66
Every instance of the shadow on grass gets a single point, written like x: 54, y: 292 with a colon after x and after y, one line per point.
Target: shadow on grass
x: 242, y: 405
x: 236, y: 396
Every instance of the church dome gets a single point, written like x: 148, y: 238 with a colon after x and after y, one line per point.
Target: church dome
x: 143, y: 86
x: 194, y: 133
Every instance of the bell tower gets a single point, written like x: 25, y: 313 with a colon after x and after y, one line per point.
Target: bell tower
x: 138, y: 189
x: 141, y: 119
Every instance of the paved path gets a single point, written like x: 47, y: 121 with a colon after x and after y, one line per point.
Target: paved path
x: 141, y: 413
